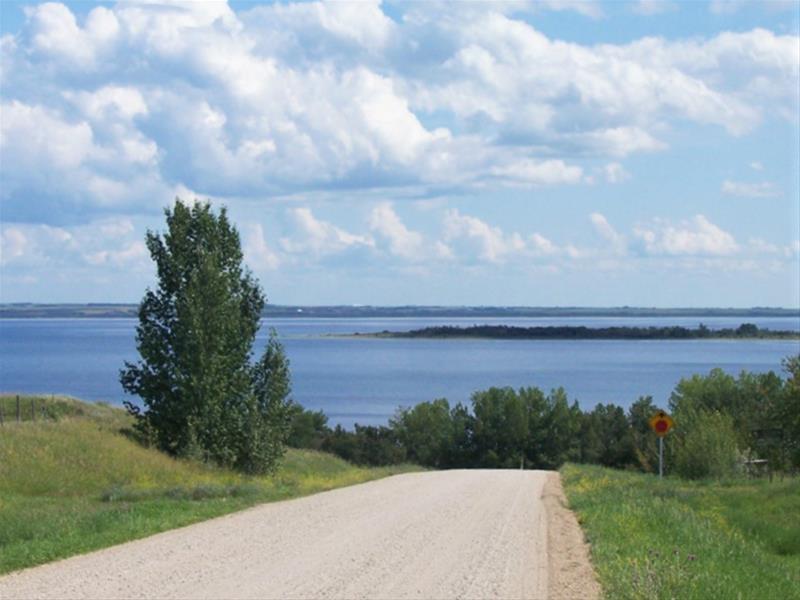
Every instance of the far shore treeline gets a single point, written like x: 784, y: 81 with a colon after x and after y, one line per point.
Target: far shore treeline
x: 721, y: 423
x: 28, y: 310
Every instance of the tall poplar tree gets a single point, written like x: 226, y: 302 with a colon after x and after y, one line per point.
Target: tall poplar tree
x: 202, y: 396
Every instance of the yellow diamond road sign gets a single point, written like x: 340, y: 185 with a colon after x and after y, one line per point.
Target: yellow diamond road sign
x: 661, y: 423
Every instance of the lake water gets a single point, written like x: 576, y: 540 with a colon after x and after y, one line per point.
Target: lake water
x: 365, y: 380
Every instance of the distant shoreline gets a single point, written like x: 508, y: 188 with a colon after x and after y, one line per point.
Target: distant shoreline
x: 746, y: 331
x: 111, y: 310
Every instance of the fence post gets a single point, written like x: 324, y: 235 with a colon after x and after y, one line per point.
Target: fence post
x: 19, y: 410
x: 2, y: 421
x: 33, y: 410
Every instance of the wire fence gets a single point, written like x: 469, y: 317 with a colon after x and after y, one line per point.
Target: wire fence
x: 16, y: 409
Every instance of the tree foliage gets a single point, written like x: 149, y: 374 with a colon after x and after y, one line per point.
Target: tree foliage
x: 367, y: 445
x: 705, y: 445
x: 308, y: 428
x: 427, y: 432
x: 645, y: 444
x: 718, y: 419
x: 789, y: 412
x: 607, y: 437
x: 201, y: 394
x: 761, y: 408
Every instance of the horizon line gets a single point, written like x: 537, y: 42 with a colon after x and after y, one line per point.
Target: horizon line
x: 438, y: 306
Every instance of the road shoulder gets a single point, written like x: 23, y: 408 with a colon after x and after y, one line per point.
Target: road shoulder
x: 570, y: 571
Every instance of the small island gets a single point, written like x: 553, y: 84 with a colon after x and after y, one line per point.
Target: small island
x: 569, y: 332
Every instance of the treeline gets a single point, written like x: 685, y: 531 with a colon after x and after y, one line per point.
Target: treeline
x: 569, y: 332
x: 721, y: 421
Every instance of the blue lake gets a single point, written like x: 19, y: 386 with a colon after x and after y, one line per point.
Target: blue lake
x: 365, y: 380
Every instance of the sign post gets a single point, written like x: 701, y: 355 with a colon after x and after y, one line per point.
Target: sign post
x: 661, y: 423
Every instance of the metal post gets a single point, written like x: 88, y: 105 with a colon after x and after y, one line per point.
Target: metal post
x: 33, y: 410
x: 19, y: 410
x: 660, y: 457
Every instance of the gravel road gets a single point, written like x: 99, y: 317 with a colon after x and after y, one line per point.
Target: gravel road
x: 447, y: 534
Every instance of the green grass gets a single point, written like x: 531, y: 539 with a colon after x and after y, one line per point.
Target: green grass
x: 73, y: 483
x: 681, y: 539
x: 54, y: 408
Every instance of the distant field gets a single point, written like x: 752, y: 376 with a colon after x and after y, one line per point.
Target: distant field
x: 71, y: 482
x: 679, y: 539
x: 30, y: 310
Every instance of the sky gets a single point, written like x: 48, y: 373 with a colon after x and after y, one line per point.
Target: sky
x: 551, y: 153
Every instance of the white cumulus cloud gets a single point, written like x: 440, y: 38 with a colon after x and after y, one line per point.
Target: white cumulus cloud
x: 532, y: 172
x: 13, y: 243
x: 608, y: 233
x: 762, y: 189
x: 55, y: 34
x: 403, y: 242
x: 615, y: 173
x: 320, y: 237
x: 696, y: 236
x: 653, y: 7
x: 488, y: 243
x: 258, y: 255
x: 120, y: 106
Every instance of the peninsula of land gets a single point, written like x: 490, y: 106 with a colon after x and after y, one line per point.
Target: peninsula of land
x: 563, y: 332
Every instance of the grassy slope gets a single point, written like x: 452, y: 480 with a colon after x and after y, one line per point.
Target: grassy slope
x: 679, y: 539
x: 77, y: 484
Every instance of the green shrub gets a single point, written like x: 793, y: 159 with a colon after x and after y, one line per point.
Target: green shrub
x: 705, y: 445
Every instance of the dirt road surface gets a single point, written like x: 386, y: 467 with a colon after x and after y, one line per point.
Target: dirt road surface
x: 447, y: 534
